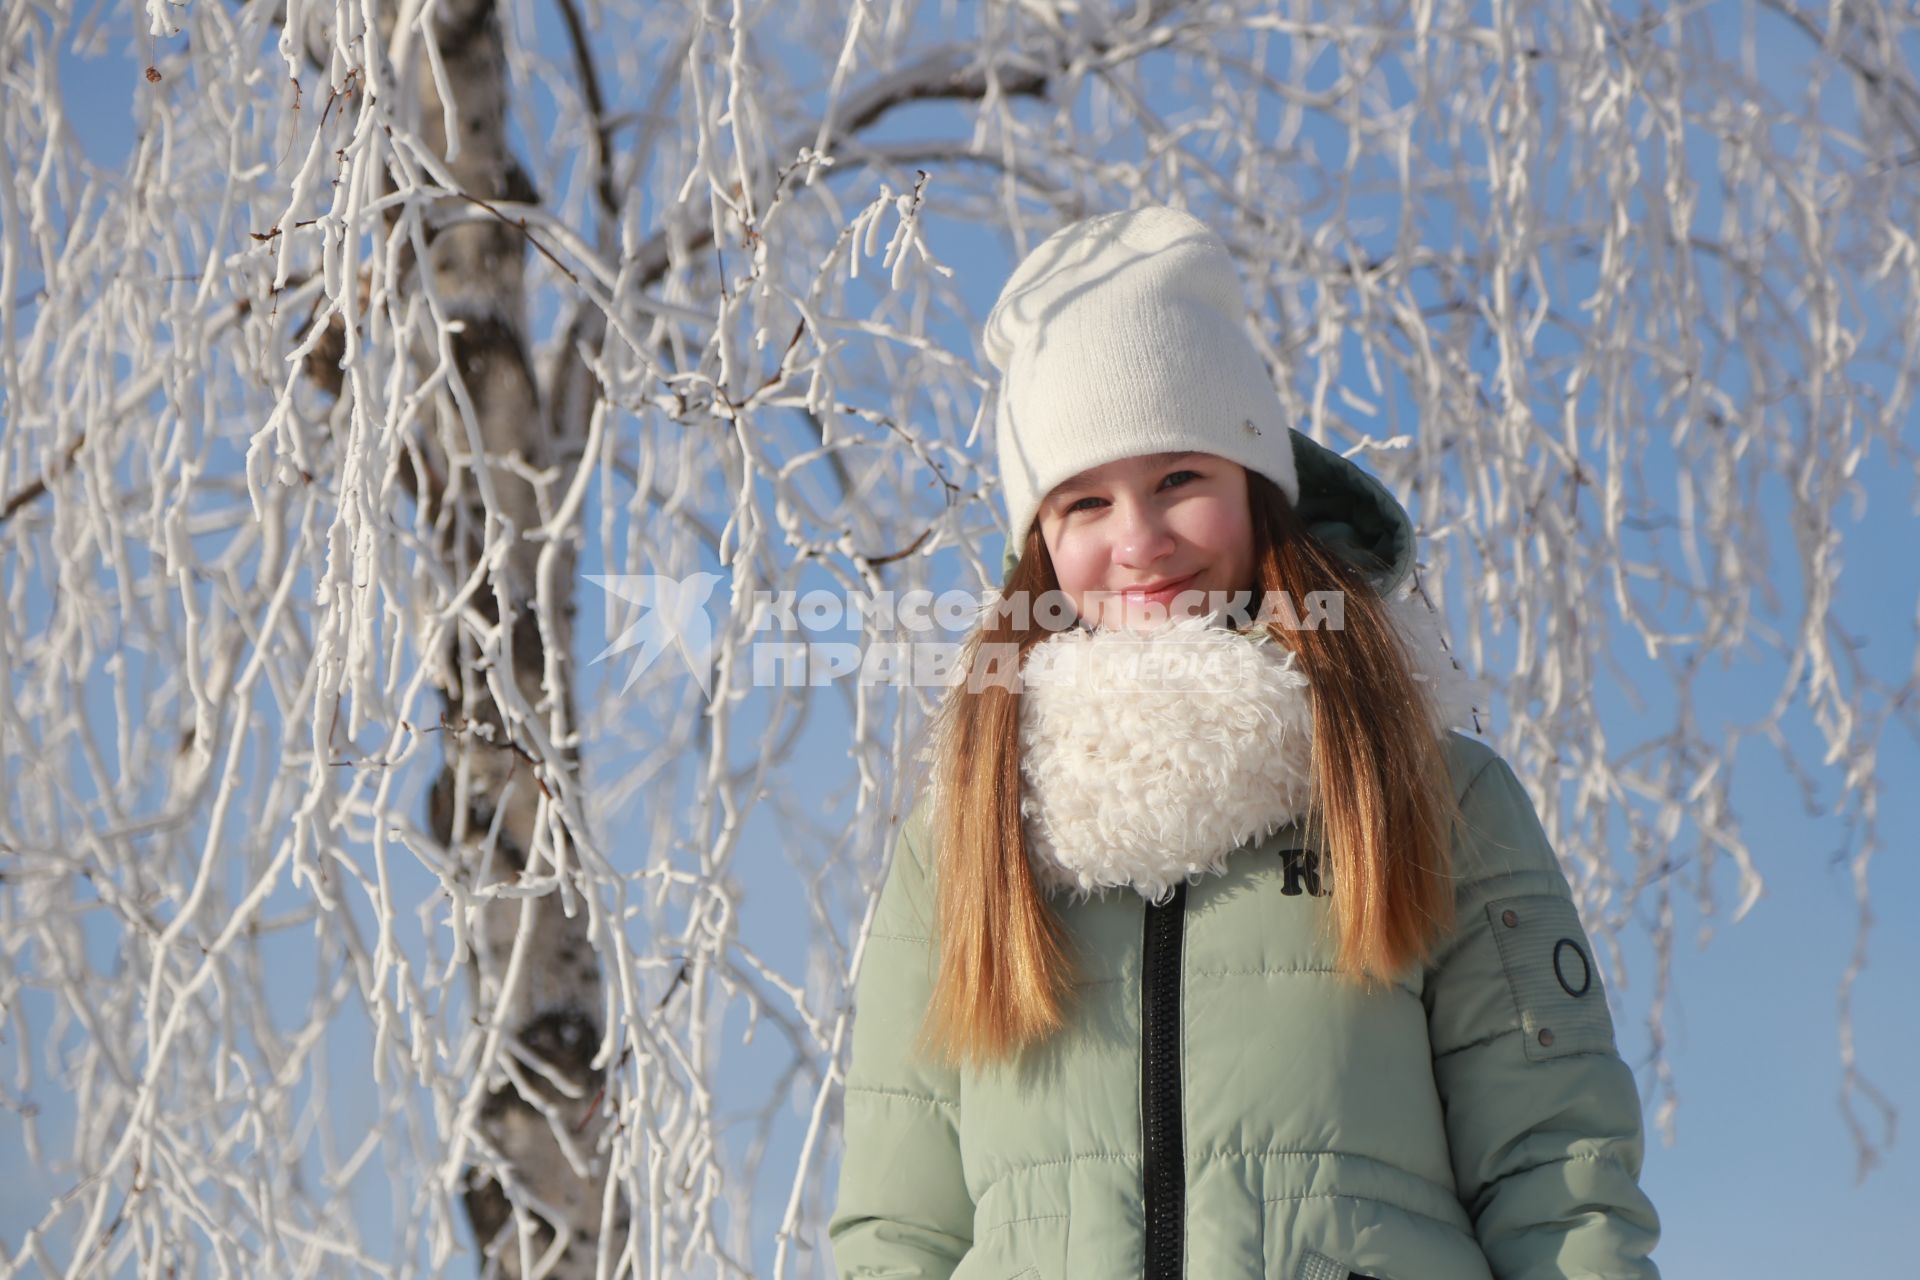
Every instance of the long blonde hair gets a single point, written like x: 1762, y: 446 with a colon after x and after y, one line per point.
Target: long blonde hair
x: 1383, y: 808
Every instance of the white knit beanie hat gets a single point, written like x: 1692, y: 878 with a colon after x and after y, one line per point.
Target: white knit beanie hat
x: 1120, y: 335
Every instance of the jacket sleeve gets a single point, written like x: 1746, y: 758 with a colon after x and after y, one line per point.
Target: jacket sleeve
x: 1542, y: 1115
x: 902, y: 1209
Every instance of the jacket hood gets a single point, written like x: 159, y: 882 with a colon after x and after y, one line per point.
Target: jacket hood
x: 1346, y: 508
x: 1352, y: 512
x: 1149, y: 756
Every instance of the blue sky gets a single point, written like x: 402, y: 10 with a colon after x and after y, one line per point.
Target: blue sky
x: 1761, y: 1181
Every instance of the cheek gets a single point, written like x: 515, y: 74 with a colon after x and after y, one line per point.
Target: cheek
x: 1223, y: 530
x: 1077, y: 571
x: 1078, y: 563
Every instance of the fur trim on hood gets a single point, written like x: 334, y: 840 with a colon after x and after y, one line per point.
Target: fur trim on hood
x: 1150, y: 756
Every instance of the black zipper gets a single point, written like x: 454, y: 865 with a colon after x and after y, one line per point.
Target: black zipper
x: 1163, y: 1155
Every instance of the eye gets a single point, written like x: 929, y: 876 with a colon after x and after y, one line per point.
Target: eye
x: 1171, y: 475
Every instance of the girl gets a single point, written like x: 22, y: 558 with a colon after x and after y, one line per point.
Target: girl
x: 1213, y: 951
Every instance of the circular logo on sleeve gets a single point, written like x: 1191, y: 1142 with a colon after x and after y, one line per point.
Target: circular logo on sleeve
x: 1561, y: 967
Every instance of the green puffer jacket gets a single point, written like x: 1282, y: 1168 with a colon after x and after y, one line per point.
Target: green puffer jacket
x: 1220, y: 1105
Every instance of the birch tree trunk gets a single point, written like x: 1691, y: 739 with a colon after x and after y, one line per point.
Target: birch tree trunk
x: 510, y: 730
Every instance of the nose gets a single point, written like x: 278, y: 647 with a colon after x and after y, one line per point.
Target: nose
x: 1143, y: 537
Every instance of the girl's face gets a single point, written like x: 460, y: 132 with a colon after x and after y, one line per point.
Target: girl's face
x: 1175, y: 524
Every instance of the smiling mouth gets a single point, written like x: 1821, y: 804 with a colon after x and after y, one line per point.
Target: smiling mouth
x: 1176, y: 584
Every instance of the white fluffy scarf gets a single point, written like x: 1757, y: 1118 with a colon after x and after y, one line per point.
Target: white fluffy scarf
x: 1151, y: 756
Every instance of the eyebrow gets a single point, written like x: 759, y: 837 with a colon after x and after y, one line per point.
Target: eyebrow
x: 1081, y: 482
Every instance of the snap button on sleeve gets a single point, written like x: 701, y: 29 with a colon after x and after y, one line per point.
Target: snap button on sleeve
x: 1546, y: 1038
x: 1510, y: 919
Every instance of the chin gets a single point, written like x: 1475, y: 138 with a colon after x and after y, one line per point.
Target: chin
x: 1191, y: 603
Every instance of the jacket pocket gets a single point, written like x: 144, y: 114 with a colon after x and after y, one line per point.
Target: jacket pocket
x: 1550, y: 971
x: 1318, y: 1266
